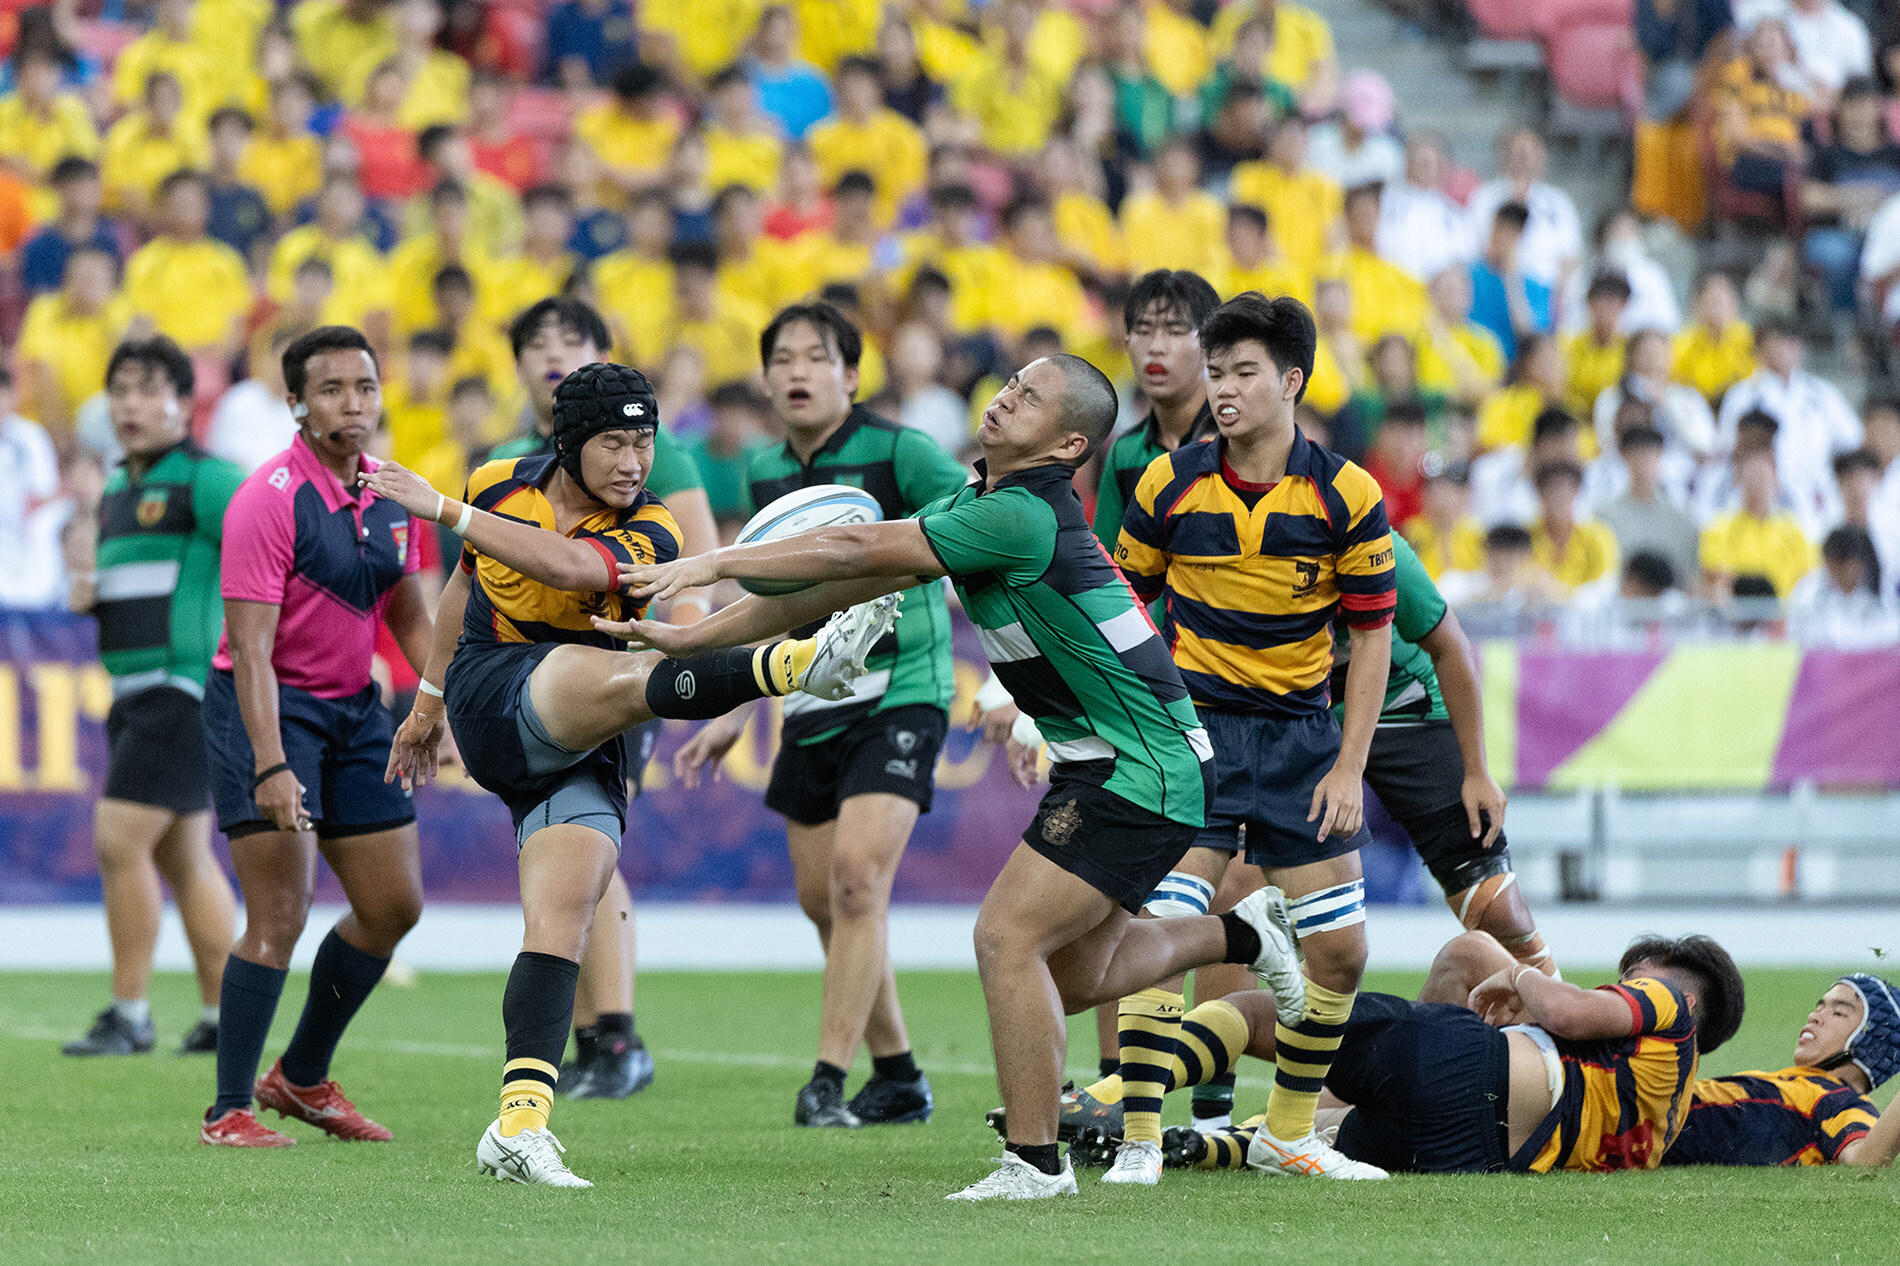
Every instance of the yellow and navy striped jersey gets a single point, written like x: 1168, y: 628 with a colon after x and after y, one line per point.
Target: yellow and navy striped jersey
x: 1625, y: 1098
x: 1798, y: 1116
x: 1253, y: 574
x: 506, y: 606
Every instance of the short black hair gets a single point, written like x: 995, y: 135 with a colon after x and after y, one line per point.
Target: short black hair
x: 452, y: 275
x: 1551, y: 472
x: 325, y: 338
x: 1248, y: 214
x: 556, y: 195
x: 448, y: 191
x: 432, y: 138
x: 693, y: 255
x: 437, y: 341
x: 843, y: 295
x: 573, y: 316
x: 832, y: 325
x: 1759, y: 420
x: 1178, y: 291
x: 852, y: 182
x: 1405, y: 413
x: 739, y: 395
x: 71, y: 168
x: 1608, y: 285
x: 637, y: 79
x: 1552, y: 422
x: 1651, y: 570
x: 1282, y: 326
x: 314, y: 264
x: 1753, y: 585
x: 468, y: 383
x: 952, y: 197
x: 1850, y: 543
x: 230, y: 114
x: 158, y: 355
x: 1088, y: 401
x: 858, y: 64
x: 1515, y: 214
x: 1846, y: 464
x: 1719, y: 991
x: 1511, y: 536
x: 1374, y: 189
x: 725, y: 77
x: 1777, y: 327
x: 183, y: 176
x: 1019, y: 207
x: 730, y: 194
x: 1631, y: 438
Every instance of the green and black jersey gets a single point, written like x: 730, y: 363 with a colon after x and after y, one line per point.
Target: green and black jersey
x: 674, y: 469
x: 1411, y: 688
x: 157, y: 599
x: 1069, y: 639
x: 905, y: 470
x: 1128, y: 458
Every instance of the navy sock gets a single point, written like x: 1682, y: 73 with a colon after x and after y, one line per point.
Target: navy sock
x: 1043, y: 1156
x: 899, y: 1067
x: 247, y: 1003
x: 1107, y: 1067
x: 340, y: 979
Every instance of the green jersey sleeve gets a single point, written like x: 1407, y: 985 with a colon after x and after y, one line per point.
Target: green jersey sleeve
x: 925, y: 473
x: 1010, y: 532
x: 1109, y: 503
x: 674, y: 469
x: 211, y: 492
x: 1421, y: 608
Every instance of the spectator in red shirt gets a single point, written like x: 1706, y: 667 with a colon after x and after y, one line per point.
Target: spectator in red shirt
x: 391, y: 169
x: 1397, y: 460
x: 500, y: 151
x: 802, y: 206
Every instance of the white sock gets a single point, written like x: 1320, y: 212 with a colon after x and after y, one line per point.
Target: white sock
x: 209, y: 1014
x: 136, y: 1011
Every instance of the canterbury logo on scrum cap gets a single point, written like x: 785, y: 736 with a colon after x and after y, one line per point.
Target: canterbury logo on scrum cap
x: 634, y: 410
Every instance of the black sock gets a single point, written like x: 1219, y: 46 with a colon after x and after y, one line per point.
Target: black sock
x: 247, y: 1003
x: 614, y: 1031
x: 340, y: 979
x: 899, y: 1067
x: 1215, y: 1098
x: 1107, y: 1067
x: 704, y: 686
x: 821, y: 1071
x: 1243, y: 943
x: 586, y: 1042
x: 536, y: 1008
x: 1042, y: 1155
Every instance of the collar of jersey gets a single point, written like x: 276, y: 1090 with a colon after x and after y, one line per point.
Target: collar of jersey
x: 837, y: 439
x: 305, y: 462
x: 1201, y: 429
x: 1049, y: 472
x: 1301, y: 459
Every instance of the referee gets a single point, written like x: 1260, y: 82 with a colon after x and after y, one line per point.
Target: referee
x: 299, y: 739
x: 155, y: 595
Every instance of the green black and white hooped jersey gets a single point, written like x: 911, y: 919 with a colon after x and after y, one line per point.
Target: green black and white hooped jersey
x: 1411, y: 687
x: 1069, y: 639
x: 157, y: 598
x: 905, y: 470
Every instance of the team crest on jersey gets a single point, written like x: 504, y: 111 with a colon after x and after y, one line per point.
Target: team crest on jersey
x: 400, y: 533
x: 905, y: 740
x: 1308, y: 580
x: 1062, y: 824
x: 152, y: 507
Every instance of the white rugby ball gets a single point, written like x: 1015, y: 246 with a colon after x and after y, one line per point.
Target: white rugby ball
x: 806, y: 510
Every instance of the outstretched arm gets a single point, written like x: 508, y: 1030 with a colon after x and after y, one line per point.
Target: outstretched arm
x: 752, y: 618
x: 895, y: 550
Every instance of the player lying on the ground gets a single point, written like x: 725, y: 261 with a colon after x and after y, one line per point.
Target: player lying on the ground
x: 1071, y: 644
x: 1816, y: 1112
x: 540, y: 701
x: 1533, y: 1075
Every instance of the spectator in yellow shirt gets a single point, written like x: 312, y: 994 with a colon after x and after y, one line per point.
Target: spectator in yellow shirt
x: 830, y: 30
x: 541, y: 268
x: 952, y: 245
x: 743, y: 145
x: 1572, y: 553
x: 1339, y: 358
x: 435, y: 81
x: 148, y: 145
x: 68, y: 337
x: 339, y: 236
x: 189, y: 287
x: 1176, y: 46
x: 722, y: 329
x: 414, y: 265
x: 636, y: 282
x: 865, y: 135
x: 1385, y: 298
x: 1014, y: 102
x: 1175, y: 224
x: 1037, y: 288
x: 284, y: 160
x: 1057, y: 40
x: 479, y: 348
x: 1303, y: 206
x: 633, y: 132
x: 229, y: 33
x: 336, y: 37
x: 847, y: 252
x: 1716, y: 349
x: 1537, y: 384
x: 171, y: 47
x: 1301, y: 56
x: 1444, y: 534
x: 1593, y: 356
x: 760, y: 272
x: 1253, y: 262
x: 39, y: 124
x: 494, y: 212
x: 416, y: 401
x: 696, y: 37
x: 1759, y: 539
x: 1456, y: 355
x: 1090, y: 236
x: 471, y: 413
x: 311, y: 287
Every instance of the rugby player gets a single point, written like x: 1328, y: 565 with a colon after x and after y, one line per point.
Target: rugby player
x: 551, y: 339
x: 298, y: 739
x: 1816, y: 1112
x: 1257, y: 541
x: 852, y: 776
x: 541, y: 701
x: 155, y: 595
x: 1499, y: 1066
x: 1131, y: 765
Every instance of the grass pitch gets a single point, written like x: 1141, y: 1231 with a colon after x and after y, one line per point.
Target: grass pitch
x: 706, y: 1165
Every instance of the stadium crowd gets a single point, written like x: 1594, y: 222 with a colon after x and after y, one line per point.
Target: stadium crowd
x: 1571, y: 441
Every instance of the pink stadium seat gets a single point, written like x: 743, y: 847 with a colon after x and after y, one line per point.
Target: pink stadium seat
x: 541, y: 113
x: 103, y: 40
x: 1505, y: 19
x: 1593, y: 66
x: 1552, y: 16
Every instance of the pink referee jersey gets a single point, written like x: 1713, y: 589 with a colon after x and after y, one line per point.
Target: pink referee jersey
x: 328, y: 556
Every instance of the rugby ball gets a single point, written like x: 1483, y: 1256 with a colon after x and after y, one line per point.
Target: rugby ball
x: 806, y: 510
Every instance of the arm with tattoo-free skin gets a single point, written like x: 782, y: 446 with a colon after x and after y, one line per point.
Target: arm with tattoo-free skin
x: 1522, y: 994
x: 1340, y: 796
x: 412, y: 756
x: 1458, y: 685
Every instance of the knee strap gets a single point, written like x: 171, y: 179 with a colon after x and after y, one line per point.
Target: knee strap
x: 1179, y: 896
x: 1470, y: 905
x: 1329, y: 909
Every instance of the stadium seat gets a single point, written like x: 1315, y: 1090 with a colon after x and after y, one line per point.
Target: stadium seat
x: 1593, y: 65
x: 542, y: 114
x: 1506, y: 39
x: 1731, y: 205
x: 103, y: 41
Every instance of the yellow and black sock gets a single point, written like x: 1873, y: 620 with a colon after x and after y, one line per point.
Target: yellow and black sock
x: 1227, y: 1148
x: 1213, y: 1038
x: 1108, y: 1089
x: 715, y: 683
x: 1150, y: 1024
x: 1303, y: 1055
x: 535, y: 1009
x: 779, y: 668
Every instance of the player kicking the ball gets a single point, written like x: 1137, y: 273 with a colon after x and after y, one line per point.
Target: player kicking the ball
x: 540, y: 700
x: 1068, y: 639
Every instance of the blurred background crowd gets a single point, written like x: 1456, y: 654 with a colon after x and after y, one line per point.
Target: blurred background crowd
x: 1611, y: 409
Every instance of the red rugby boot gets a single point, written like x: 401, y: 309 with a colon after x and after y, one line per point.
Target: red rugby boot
x: 322, y: 1106
x: 240, y: 1128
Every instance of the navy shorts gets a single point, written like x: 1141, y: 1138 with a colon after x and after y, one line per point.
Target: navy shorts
x: 338, y: 748
x: 1430, y: 1086
x: 505, y: 753
x: 157, y: 741
x: 894, y: 752
x: 1265, y: 772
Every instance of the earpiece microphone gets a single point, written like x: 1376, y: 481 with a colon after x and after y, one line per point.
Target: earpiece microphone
x: 300, y: 411
x: 336, y: 436
x: 171, y: 408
